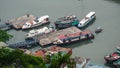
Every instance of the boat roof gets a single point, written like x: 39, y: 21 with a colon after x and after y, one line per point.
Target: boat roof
x: 43, y: 17
x: 90, y: 14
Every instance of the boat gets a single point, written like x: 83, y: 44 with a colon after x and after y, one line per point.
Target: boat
x: 78, y: 36
x: 117, y: 63
x: 89, y: 17
x: 41, y: 31
x: 110, y: 58
x: 37, y: 22
x: 66, y: 21
x: 98, y: 30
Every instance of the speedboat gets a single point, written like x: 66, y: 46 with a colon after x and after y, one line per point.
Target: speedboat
x: 41, y: 31
x: 37, y: 22
x: 98, y: 30
x: 89, y: 17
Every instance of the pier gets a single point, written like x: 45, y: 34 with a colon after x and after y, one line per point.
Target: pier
x: 24, y: 44
x: 47, y: 39
x: 17, y: 23
x: 5, y: 27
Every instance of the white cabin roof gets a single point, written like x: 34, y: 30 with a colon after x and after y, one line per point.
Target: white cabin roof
x: 43, y: 17
x: 90, y: 14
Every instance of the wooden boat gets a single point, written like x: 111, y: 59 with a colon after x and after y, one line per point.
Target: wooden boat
x: 41, y: 31
x: 37, y: 22
x: 78, y: 36
x: 89, y: 17
x: 66, y: 21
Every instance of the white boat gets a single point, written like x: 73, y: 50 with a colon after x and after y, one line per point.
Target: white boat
x: 41, y: 31
x: 38, y: 21
x: 90, y: 16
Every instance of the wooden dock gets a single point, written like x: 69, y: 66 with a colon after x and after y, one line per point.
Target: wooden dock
x: 17, y: 23
x: 24, y: 44
x: 47, y: 39
x: 5, y: 27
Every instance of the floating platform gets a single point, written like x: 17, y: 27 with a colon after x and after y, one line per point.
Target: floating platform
x: 53, y: 38
x: 17, y: 23
x: 24, y: 44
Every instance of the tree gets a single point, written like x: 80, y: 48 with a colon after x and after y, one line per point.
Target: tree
x: 17, y: 59
x: 4, y: 36
x: 59, y: 60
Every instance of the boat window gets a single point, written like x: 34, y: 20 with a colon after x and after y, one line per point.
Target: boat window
x: 31, y: 33
x: 86, y: 18
x: 36, y: 20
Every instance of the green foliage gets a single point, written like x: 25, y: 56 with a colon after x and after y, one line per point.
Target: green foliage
x: 18, y: 58
x: 4, y: 36
x: 56, y: 60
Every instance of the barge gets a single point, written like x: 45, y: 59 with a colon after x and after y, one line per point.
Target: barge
x: 64, y: 36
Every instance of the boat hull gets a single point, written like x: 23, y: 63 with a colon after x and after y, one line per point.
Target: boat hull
x: 66, y: 25
x: 36, y: 25
x: 81, y: 26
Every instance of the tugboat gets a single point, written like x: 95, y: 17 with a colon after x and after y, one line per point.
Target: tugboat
x: 66, y: 21
x: 89, y: 17
x: 37, y: 22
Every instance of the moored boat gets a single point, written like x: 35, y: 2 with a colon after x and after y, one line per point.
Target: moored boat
x: 41, y: 31
x: 78, y: 36
x: 66, y: 21
x: 89, y: 17
x: 114, y: 56
x: 37, y: 22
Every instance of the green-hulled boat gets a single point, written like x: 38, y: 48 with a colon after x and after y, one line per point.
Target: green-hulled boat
x: 66, y: 21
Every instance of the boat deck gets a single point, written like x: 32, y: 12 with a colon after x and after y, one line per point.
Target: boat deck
x: 51, y: 37
x: 17, y: 23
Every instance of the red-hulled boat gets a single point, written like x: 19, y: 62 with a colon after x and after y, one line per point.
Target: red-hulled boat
x: 112, y: 57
